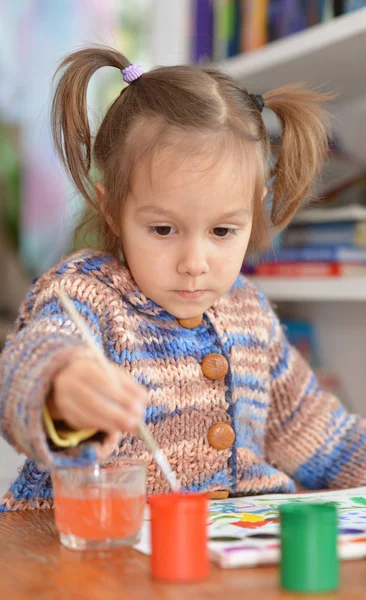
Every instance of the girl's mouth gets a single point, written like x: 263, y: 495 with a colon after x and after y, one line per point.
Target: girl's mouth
x: 191, y: 294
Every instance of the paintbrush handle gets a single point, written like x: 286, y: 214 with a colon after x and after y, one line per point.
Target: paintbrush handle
x: 79, y: 322
x: 159, y: 457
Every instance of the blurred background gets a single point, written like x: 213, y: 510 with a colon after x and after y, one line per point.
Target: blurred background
x: 316, y: 273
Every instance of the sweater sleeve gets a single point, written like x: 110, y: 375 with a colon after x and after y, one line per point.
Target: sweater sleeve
x: 310, y: 435
x: 33, y: 355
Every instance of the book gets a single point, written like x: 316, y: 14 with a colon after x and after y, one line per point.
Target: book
x: 232, y: 32
x: 286, y: 17
x: 224, y: 30
x: 351, y: 5
x: 203, y: 31
x: 234, y: 45
x: 351, y: 233
x: 310, y: 269
x: 326, y: 10
x: 338, y: 7
x: 352, y: 212
x: 313, y: 11
x: 332, y: 254
x: 245, y: 532
x: 254, y: 25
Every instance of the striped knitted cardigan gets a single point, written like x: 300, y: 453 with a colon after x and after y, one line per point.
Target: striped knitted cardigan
x: 287, y: 429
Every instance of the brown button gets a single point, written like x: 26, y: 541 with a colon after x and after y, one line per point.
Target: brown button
x: 214, y: 366
x: 221, y: 436
x: 218, y: 495
x: 190, y: 323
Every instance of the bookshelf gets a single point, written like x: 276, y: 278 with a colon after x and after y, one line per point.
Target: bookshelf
x: 328, y: 55
x: 341, y: 289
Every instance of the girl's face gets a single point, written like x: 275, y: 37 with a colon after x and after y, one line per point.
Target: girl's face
x: 185, y: 229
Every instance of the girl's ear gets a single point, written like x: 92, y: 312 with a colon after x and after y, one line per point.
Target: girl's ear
x: 102, y: 199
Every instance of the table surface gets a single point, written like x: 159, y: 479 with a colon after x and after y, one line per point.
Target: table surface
x: 33, y: 564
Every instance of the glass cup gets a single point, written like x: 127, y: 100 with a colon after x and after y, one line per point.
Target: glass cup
x: 100, y: 507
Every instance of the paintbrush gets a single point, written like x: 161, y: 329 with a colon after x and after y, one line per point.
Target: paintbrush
x: 157, y: 453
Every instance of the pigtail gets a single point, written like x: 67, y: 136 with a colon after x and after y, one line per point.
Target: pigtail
x: 303, y: 147
x: 69, y: 116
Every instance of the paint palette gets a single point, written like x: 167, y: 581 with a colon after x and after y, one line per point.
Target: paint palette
x: 244, y: 532
x: 252, y: 552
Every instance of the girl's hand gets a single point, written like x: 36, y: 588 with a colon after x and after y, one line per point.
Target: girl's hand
x: 85, y: 397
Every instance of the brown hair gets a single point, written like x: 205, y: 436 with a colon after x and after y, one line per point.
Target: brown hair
x: 188, y: 99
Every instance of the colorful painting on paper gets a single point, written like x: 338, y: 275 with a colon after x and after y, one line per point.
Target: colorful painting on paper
x: 238, y: 517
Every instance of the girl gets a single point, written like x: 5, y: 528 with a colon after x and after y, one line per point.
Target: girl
x: 183, y: 162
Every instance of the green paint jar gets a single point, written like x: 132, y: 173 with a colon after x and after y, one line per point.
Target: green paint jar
x: 309, y: 553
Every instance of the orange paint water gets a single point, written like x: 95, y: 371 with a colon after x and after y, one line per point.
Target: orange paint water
x: 96, y: 513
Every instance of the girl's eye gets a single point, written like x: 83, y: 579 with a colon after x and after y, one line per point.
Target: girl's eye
x: 223, y: 231
x: 162, y: 230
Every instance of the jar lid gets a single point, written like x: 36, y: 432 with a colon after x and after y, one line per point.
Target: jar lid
x: 179, y: 501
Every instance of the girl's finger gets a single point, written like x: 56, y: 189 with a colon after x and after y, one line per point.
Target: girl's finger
x: 132, y: 398
x: 78, y: 420
x: 105, y: 411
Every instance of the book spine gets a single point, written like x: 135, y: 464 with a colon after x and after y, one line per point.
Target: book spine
x: 243, y: 10
x: 273, y: 20
x: 255, y: 24
x: 341, y: 254
x: 222, y: 14
x: 298, y: 16
x: 203, y: 31
x: 351, y: 5
x: 316, y: 254
x: 234, y: 28
x: 234, y: 47
x: 301, y: 254
x: 299, y: 270
x: 338, y: 7
x: 286, y: 17
x: 339, y: 234
x: 308, y: 270
x: 313, y: 12
x: 326, y: 11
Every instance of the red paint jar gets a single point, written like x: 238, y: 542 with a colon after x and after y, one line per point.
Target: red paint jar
x: 179, y: 537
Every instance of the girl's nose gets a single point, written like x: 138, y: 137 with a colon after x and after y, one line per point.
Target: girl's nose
x: 193, y: 260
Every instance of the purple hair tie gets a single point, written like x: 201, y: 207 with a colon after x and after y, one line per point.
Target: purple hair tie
x: 131, y: 73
